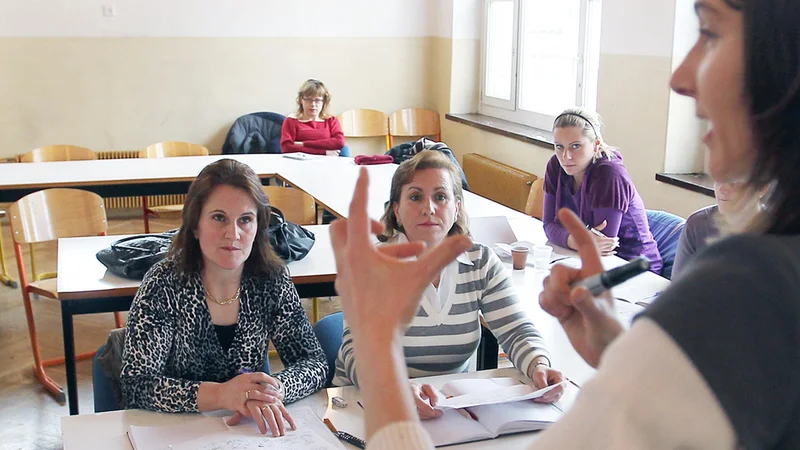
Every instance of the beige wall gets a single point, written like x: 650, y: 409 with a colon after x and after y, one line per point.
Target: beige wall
x: 123, y: 93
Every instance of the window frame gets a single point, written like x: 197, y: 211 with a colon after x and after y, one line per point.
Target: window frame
x: 509, y: 109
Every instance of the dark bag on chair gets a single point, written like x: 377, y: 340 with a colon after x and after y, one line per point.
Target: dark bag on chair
x: 290, y: 241
x: 133, y: 256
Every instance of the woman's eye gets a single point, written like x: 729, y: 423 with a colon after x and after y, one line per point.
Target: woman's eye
x: 414, y: 197
x: 441, y: 197
x: 559, y: 148
x: 576, y: 146
x: 218, y: 217
x: 245, y: 220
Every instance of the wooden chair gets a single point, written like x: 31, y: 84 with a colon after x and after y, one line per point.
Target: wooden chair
x: 5, y: 277
x: 45, y: 216
x: 414, y: 122
x: 54, y: 153
x: 358, y: 123
x: 535, y: 204
x: 169, y: 149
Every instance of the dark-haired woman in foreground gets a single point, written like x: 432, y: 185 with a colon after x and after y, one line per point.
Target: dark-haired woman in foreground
x: 714, y: 362
x: 202, y: 319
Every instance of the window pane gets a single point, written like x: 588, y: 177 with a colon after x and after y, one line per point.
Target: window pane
x: 549, y: 59
x: 499, y: 47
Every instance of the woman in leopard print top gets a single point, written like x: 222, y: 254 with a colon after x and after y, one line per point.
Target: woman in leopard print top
x: 209, y: 310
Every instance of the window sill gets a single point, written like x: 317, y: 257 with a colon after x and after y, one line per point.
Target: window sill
x: 505, y: 128
x: 695, y: 182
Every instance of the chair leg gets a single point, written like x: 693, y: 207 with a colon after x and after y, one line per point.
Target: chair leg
x: 5, y: 278
x: 314, y: 310
x: 38, y: 365
x: 145, y: 214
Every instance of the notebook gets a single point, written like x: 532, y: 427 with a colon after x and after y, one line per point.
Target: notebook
x: 211, y: 433
x: 490, y: 420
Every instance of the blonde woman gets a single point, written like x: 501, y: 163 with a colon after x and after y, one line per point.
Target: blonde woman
x: 588, y: 177
x: 312, y: 129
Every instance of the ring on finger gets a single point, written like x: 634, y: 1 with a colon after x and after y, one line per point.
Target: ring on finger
x: 247, y: 394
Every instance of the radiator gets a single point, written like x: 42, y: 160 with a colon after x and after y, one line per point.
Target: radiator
x: 496, y: 181
x: 136, y: 202
x: 118, y: 154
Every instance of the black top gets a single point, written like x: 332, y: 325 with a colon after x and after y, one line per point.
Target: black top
x: 736, y: 315
x: 225, y: 335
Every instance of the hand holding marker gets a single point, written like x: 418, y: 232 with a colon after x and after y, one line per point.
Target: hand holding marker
x: 597, y: 284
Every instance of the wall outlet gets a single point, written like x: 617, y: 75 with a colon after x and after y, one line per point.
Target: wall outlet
x: 109, y: 11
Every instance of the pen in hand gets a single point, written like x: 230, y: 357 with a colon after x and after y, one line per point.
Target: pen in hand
x: 597, y: 284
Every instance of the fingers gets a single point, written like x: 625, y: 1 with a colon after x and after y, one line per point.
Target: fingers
x: 287, y: 416
x: 424, y: 409
x: 358, y: 222
x: 585, y: 242
x: 595, y: 312
x: 263, y: 396
x: 440, y: 256
x: 269, y: 418
x: 234, y: 419
x: 602, y: 226
x: 539, y: 378
x: 255, y: 413
x: 405, y: 250
x: 431, y: 393
x: 261, y: 379
x: 554, y: 298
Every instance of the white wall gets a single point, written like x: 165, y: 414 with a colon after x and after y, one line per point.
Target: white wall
x: 217, y: 18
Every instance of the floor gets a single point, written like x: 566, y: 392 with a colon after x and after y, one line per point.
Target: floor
x: 29, y: 416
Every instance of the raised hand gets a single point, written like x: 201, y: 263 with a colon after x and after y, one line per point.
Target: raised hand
x: 590, y: 323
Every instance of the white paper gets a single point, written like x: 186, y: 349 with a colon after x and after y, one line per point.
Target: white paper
x: 493, y: 396
x: 301, y: 156
x: 311, y: 433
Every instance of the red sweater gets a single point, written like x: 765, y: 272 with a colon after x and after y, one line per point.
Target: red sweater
x: 317, y: 137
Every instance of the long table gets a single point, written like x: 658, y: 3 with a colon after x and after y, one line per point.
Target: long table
x: 107, y: 430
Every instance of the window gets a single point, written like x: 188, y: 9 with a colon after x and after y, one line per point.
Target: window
x: 538, y: 58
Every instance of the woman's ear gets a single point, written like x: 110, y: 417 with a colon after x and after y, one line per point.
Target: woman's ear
x: 396, y: 216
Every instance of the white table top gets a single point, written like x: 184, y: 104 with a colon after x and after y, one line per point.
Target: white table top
x: 107, y: 430
x: 81, y: 275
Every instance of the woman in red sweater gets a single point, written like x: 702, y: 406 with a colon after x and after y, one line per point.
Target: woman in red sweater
x: 312, y: 129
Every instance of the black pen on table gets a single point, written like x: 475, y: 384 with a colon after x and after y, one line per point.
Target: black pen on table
x: 603, y: 281
x: 346, y: 437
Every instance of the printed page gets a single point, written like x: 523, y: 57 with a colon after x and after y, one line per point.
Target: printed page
x: 491, y: 396
x: 454, y: 428
x: 471, y: 385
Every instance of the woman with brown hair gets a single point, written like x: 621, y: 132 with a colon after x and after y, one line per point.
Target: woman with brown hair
x: 426, y: 205
x: 202, y: 320
x: 312, y: 129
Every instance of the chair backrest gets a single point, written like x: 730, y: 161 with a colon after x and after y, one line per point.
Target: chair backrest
x: 51, y: 153
x: 258, y: 132
x: 329, y: 334
x: 364, y: 123
x: 172, y: 149
x: 535, y: 204
x: 296, y: 205
x: 414, y: 122
x: 55, y: 213
x: 666, y: 229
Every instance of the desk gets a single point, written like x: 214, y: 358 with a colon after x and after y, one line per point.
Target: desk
x: 107, y: 430
x: 85, y: 287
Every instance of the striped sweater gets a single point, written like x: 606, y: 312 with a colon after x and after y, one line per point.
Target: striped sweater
x: 442, y: 340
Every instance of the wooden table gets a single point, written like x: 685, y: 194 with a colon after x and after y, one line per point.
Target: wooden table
x: 85, y: 287
x: 107, y: 430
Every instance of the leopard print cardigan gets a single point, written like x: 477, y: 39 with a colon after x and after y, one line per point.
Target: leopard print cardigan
x: 171, y: 345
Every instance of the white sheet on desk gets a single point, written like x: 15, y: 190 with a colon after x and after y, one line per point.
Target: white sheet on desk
x: 488, y: 392
x: 491, y: 230
x: 311, y: 433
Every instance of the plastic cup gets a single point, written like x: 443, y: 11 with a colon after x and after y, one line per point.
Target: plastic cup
x: 541, y: 256
x: 519, y: 256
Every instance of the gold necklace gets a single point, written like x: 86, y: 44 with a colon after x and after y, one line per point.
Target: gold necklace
x: 227, y: 301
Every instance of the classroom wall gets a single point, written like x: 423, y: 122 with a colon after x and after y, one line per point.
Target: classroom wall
x: 633, y: 96
x: 185, y: 69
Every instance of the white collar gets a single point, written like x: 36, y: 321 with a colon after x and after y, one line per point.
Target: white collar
x: 401, y: 238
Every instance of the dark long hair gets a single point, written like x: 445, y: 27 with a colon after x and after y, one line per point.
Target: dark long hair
x: 185, y: 249
x: 772, y: 87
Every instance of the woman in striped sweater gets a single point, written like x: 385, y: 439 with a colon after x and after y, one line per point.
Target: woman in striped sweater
x: 426, y: 205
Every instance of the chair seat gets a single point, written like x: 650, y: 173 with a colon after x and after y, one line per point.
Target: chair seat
x: 47, y: 288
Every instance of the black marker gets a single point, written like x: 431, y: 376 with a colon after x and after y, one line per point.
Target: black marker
x: 597, y: 284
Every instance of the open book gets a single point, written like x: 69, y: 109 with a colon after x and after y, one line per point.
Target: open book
x: 488, y: 420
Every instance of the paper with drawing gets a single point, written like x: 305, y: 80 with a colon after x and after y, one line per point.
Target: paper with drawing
x: 207, y: 434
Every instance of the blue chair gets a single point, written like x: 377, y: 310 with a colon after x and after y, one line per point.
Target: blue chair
x: 329, y: 334
x: 666, y: 229
x: 103, y: 389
